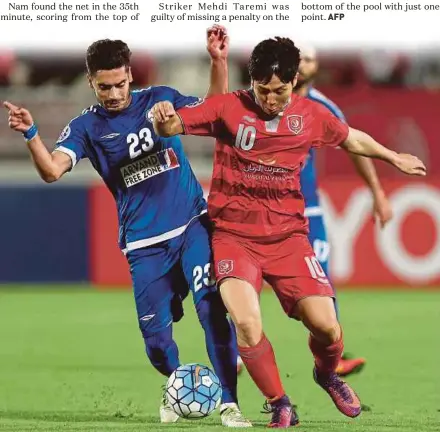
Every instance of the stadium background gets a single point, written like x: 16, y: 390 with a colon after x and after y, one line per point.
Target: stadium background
x: 392, y: 95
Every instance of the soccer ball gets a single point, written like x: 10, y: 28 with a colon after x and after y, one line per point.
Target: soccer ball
x: 194, y: 391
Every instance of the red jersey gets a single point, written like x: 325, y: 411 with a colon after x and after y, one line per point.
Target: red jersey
x: 255, y: 188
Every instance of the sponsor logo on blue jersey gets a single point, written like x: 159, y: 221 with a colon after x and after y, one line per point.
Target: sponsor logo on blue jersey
x: 149, y: 166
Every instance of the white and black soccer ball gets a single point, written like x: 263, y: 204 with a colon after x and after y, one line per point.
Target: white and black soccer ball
x: 194, y: 391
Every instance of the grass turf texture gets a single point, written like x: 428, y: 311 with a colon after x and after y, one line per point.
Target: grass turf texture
x: 73, y: 360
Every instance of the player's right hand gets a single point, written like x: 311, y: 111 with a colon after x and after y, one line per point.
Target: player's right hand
x: 162, y: 111
x: 410, y: 164
x: 217, y: 42
x: 19, y: 119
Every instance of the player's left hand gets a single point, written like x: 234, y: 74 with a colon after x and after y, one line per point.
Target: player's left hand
x: 410, y: 164
x: 217, y: 42
x: 382, y: 208
x: 162, y: 111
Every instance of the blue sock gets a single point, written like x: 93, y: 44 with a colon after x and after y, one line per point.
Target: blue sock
x: 221, y: 343
x: 162, y: 351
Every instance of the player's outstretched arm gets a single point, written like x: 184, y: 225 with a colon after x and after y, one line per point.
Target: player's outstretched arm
x: 50, y: 167
x: 360, y: 143
x: 166, y: 122
x: 218, y: 47
x: 381, y: 205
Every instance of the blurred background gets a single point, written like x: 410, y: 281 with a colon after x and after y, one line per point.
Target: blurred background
x: 67, y: 232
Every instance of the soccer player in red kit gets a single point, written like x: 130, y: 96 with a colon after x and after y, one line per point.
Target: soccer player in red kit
x: 263, y: 137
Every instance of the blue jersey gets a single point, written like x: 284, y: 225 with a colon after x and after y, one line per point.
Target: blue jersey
x: 309, y: 185
x: 155, y: 189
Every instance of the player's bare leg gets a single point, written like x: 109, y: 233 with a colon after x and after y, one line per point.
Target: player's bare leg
x: 326, y: 343
x: 242, y: 302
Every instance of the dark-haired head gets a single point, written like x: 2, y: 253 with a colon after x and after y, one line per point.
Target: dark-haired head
x: 109, y: 73
x: 273, y: 69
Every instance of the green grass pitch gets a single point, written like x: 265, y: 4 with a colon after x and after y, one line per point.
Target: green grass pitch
x: 73, y: 360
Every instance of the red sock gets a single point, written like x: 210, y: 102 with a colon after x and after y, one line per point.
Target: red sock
x: 327, y: 357
x: 262, y: 367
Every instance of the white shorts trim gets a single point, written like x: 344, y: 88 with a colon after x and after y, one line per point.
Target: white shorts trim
x: 139, y: 244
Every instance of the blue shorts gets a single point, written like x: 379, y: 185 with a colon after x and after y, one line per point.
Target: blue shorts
x: 318, y: 240
x: 163, y: 275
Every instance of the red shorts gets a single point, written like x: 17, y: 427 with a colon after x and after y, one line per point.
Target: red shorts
x: 289, y: 266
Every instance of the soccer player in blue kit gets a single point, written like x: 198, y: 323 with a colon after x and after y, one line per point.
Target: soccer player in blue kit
x: 163, y: 225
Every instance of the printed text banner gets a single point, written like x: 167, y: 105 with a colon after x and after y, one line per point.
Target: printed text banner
x: 180, y: 25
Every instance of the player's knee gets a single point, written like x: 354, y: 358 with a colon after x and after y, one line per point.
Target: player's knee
x: 249, y: 330
x: 157, y: 344
x: 210, y: 308
x: 327, y: 332
x: 213, y: 318
x: 319, y: 316
x: 156, y: 320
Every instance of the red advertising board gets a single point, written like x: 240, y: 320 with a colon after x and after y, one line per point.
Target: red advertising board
x: 405, y: 254
x: 108, y: 266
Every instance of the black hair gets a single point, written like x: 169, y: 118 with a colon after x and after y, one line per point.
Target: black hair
x: 106, y: 54
x: 277, y: 56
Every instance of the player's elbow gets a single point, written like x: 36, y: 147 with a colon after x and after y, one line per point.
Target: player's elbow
x: 50, y: 176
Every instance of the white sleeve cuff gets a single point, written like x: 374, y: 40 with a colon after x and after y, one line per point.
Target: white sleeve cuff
x: 68, y: 152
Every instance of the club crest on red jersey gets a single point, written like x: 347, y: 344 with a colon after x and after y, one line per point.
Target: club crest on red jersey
x: 225, y: 266
x: 295, y: 123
